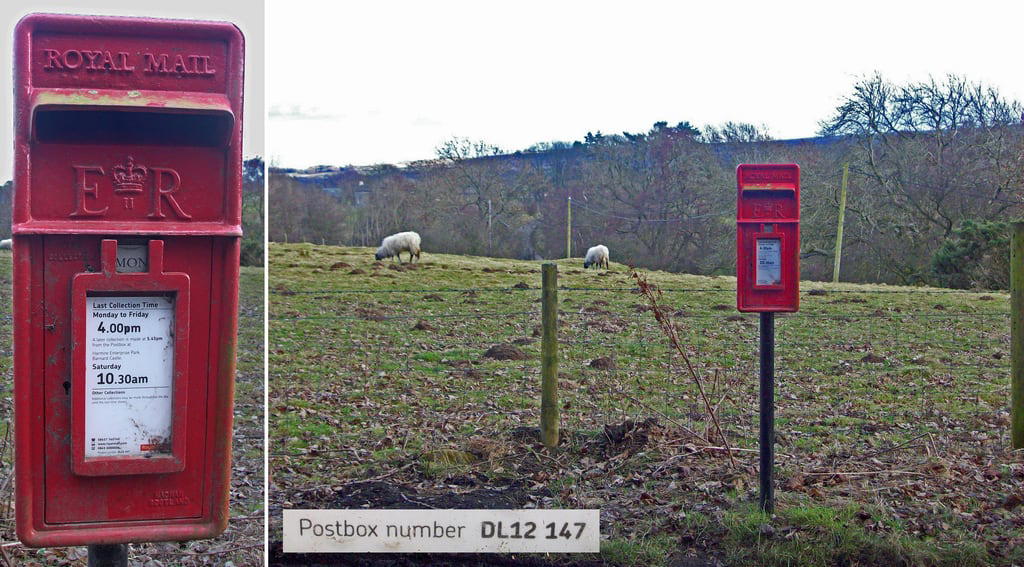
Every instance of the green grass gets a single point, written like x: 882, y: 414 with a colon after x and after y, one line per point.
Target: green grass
x: 819, y: 535
x: 906, y: 388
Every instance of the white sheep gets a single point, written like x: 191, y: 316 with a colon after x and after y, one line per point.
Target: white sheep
x: 596, y: 255
x: 5, y: 244
x: 395, y: 244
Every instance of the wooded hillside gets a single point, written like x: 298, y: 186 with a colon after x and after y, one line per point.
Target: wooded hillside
x: 935, y: 174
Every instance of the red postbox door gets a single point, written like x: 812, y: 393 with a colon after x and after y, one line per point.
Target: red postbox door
x: 127, y: 217
x: 768, y: 237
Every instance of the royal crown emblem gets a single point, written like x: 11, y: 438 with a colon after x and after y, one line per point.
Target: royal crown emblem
x: 129, y: 178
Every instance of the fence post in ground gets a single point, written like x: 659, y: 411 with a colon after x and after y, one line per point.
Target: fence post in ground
x: 568, y: 228
x: 549, y: 356
x: 1017, y: 336
x: 839, y: 230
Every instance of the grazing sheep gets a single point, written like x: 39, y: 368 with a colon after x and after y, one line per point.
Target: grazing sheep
x: 395, y: 244
x: 5, y: 244
x: 597, y: 255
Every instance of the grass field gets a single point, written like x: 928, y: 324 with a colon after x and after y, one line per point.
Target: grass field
x: 242, y: 543
x: 891, y: 407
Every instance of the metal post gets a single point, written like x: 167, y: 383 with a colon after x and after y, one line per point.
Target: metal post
x: 767, y: 411
x: 114, y: 555
x: 1017, y: 336
x: 839, y: 230
x: 568, y: 228
x: 549, y: 356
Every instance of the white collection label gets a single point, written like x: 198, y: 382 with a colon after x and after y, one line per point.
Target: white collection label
x: 448, y: 531
x: 129, y: 365
x: 769, y: 262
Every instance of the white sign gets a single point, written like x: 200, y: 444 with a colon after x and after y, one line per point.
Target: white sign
x: 769, y: 262
x: 132, y: 258
x: 129, y: 364
x: 448, y: 531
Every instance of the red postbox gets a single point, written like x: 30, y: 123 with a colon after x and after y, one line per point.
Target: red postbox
x: 768, y: 237
x: 127, y: 226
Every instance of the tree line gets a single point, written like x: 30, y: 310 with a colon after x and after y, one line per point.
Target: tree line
x: 935, y: 176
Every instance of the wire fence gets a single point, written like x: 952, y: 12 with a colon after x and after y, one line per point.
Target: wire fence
x: 614, y: 362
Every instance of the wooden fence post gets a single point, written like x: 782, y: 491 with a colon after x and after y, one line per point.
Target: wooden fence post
x: 568, y: 228
x: 1017, y: 336
x: 549, y: 356
x: 839, y: 230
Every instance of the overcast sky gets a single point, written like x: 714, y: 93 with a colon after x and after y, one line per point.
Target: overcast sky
x: 248, y: 15
x: 387, y: 81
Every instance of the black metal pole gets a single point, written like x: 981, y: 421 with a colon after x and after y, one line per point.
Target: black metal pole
x: 114, y: 555
x: 767, y: 411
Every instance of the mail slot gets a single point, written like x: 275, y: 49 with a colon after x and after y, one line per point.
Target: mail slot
x: 126, y: 237
x: 768, y: 237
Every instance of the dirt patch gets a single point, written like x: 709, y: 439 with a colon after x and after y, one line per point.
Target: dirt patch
x: 641, y: 307
x: 939, y: 307
x: 397, y: 267
x: 422, y: 326
x: 433, y: 297
x: 817, y: 292
x: 340, y: 265
x: 600, y: 302
x: 629, y: 434
x: 505, y: 352
x: 872, y: 358
x: 356, y: 272
x: 603, y: 363
x: 849, y: 300
x: 986, y: 298
x: 384, y: 495
x: 722, y: 307
x: 370, y: 314
x: 605, y: 326
x: 524, y: 341
x: 735, y: 318
x: 521, y: 285
x: 486, y: 448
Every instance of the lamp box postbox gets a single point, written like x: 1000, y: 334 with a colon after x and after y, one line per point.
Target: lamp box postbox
x: 768, y: 237
x: 126, y: 229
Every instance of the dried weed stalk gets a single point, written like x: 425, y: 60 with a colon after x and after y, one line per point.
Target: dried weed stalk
x: 653, y: 296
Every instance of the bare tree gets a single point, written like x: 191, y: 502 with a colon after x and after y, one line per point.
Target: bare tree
x: 485, y: 194
x: 658, y: 197
x: 932, y: 154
